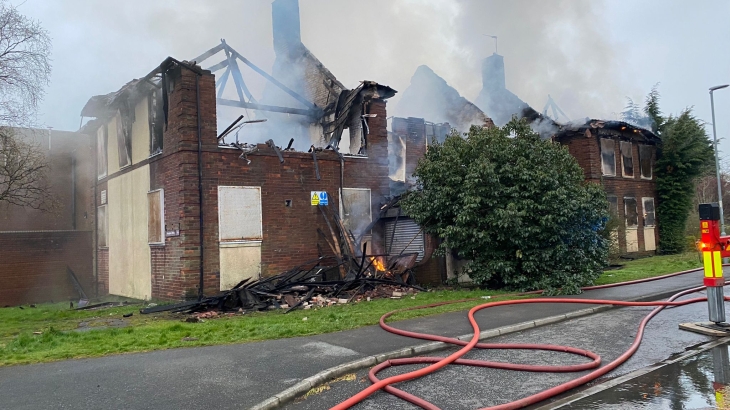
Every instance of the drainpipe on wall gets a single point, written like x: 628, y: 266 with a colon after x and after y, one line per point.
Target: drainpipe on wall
x: 73, y: 191
x: 200, y: 182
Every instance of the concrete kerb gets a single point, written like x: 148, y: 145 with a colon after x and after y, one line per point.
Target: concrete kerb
x: 334, y: 372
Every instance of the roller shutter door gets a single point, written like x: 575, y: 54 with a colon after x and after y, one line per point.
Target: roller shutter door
x: 403, y: 240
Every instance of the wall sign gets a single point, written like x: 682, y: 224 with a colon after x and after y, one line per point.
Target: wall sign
x: 172, y: 230
x: 319, y: 198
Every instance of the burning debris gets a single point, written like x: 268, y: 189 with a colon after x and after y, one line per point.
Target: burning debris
x: 344, y: 276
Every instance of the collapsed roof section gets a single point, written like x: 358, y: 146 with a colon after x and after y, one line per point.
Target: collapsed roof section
x: 431, y: 97
x: 600, y: 126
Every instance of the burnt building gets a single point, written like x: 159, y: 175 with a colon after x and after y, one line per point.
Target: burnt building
x: 181, y: 211
x: 620, y: 157
x: 47, y: 255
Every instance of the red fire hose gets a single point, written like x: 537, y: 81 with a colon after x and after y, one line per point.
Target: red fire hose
x: 436, y: 363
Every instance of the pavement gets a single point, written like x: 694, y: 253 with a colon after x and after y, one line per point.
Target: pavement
x: 240, y: 376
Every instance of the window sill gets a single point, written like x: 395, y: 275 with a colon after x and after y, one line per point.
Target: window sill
x: 157, y: 244
x: 155, y: 154
x: 103, y: 248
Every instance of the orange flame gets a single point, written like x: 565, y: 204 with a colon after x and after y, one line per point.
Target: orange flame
x: 379, y: 266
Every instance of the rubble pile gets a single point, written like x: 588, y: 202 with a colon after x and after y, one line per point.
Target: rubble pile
x: 345, y: 276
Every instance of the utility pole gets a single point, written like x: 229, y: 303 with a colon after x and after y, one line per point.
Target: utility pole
x: 717, y: 159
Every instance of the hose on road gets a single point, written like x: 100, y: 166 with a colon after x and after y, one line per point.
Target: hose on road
x: 436, y: 363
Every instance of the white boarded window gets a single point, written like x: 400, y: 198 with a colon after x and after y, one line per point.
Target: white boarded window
x: 239, y: 213
x: 645, y: 160
x: 608, y: 157
x: 102, y: 223
x: 632, y: 216
x: 156, y: 217
x: 649, y: 214
x: 627, y: 159
x: 356, y: 210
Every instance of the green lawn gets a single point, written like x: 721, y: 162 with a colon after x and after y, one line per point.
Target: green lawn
x: 650, y: 267
x: 57, y: 341
x: 46, y: 333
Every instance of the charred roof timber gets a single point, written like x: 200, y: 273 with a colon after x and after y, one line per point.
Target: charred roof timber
x: 612, y: 126
x: 232, y: 70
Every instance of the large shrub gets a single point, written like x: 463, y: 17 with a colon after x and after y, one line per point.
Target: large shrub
x: 516, y: 206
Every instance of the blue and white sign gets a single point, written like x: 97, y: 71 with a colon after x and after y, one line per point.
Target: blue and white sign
x: 320, y: 198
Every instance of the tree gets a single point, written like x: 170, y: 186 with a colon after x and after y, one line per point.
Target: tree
x: 23, y: 173
x: 515, y: 205
x: 25, y: 68
x: 24, y: 71
x: 685, y: 155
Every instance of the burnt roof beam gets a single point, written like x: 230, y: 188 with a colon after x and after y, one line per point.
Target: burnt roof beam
x: 272, y: 108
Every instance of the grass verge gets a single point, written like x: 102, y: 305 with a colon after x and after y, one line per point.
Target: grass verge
x: 650, y: 267
x: 51, y: 332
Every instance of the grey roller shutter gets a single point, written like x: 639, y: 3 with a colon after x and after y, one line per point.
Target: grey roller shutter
x: 403, y: 240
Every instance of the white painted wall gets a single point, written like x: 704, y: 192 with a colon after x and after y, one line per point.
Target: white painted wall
x: 130, y: 267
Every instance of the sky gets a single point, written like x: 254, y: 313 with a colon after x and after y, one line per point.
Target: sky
x: 589, y: 55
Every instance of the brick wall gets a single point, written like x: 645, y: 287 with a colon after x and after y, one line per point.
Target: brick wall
x: 290, y: 233
x: 34, y: 266
x: 586, y: 149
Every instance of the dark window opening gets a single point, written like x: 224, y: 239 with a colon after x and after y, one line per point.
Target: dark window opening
x: 102, y: 135
x: 101, y: 227
x: 649, y: 216
x: 124, y: 140
x: 613, y: 206
x: 608, y: 157
x: 632, y: 216
x: 645, y: 160
x: 156, y: 119
x: 627, y: 158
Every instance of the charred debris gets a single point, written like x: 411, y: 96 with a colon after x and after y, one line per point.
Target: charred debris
x: 342, y: 275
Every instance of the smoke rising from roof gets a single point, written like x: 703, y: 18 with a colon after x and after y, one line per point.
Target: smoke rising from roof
x: 551, y: 46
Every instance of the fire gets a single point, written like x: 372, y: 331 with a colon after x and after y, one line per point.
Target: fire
x: 379, y: 266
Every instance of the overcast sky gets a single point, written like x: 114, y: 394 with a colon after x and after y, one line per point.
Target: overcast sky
x: 589, y: 55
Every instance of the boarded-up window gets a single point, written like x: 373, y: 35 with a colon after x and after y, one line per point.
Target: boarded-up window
x: 649, y: 216
x: 645, y: 159
x: 156, y: 118
x: 356, y: 210
x: 627, y: 159
x: 124, y: 141
x: 239, y: 213
x: 632, y: 216
x: 101, y: 227
x: 608, y: 157
x: 102, y: 134
x: 613, y: 205
x: 156, y: 217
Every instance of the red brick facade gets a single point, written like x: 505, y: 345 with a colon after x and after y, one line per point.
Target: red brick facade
x: 586, y: 148
x: 33, y: 267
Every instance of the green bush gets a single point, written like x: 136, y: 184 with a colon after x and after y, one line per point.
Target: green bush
x: 516, y: 206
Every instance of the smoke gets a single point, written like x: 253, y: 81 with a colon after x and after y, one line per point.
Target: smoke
x: 550, y: 46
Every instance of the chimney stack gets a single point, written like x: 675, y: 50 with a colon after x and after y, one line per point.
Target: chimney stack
x: 286, y: 28
x: 493, y: 73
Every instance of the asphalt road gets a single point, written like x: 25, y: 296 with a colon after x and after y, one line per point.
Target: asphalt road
x: 459, y: 387
x: 239, y: 376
